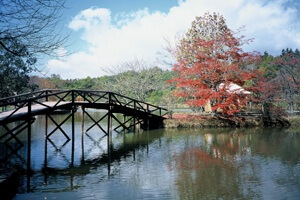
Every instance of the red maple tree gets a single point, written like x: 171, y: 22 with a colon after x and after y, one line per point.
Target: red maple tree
x: 279, y: 83
x: 288, y: 77
x: 219, y: 63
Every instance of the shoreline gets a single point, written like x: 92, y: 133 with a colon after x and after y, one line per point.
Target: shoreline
x: 185, y: 120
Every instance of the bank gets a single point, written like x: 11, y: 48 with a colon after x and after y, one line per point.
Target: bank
x: 191, y: 120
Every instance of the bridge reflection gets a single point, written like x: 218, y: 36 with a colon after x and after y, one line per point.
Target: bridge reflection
x: 119, y: 115
x: 24, y: 108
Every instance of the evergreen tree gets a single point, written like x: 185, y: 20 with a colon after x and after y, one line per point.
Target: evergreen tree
x: 14, y: 70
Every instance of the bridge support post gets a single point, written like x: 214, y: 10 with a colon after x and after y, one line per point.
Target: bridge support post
x: 82, y: 135
x: 134, y: 107
x: 29, y: 147
x: 134, y: 124
x: 109, y: 139
x: 29, y: 138
x: 148, y: 123
x: 147, y: 142
x: 109, y: 130
x: 46, y: 142
x: 73, y: 126
x: 73, y: 136
x: 124, y: 122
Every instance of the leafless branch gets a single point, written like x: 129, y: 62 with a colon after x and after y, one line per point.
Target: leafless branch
x: 34, y: 23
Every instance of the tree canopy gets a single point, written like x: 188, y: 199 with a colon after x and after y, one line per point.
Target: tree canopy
x: 280, y: 81
x: 217, y: 61
x: 207, y: 27
x: 14, y: 70
x: 146, y: 83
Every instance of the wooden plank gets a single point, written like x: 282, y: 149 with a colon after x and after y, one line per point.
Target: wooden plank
x: 44, y: 107
x: 37, y: 108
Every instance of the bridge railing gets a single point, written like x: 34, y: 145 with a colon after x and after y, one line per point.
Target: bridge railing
x: 92, y: 96
x: 24, y: 102
x: 7, y: 101
x: 138, y: 105
x: 15, y: 103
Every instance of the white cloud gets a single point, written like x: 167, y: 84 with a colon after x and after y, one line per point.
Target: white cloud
x: 140, y: 34
x: 91, y: 18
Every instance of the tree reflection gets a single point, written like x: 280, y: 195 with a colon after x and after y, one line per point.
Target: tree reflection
x: 210, y: 170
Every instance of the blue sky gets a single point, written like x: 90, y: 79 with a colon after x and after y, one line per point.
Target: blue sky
x: 106, y: 33
x: 117, y: 6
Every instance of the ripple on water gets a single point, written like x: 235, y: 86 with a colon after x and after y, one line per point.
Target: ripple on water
x: 173, y: 164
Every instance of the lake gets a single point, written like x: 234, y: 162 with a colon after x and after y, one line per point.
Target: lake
x: 253, y: 163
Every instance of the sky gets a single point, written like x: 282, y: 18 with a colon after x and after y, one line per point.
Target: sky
x: 106, y: 33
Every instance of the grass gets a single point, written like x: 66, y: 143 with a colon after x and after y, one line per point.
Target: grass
x: 294, y: 120
x: 191, y: 120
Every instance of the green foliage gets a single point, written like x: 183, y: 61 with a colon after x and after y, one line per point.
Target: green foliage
x: 14, y: 70
x: 283, y: 71
x: 266, y: 67
x: 148, y: 84
x: 140, y: 83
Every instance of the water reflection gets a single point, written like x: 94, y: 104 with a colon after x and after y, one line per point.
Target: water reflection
x: 239, y: 164
x: 163, y: 164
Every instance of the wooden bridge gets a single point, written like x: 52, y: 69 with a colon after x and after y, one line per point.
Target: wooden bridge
x: 23, y: 109
x: 24, y: 106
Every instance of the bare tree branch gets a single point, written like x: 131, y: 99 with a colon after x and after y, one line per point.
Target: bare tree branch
x: 136, y: 78
x: 34, y: 23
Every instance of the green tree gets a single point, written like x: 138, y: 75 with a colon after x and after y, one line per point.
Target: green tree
x: 137, y: 79
x: 288, y: 76
x: 266, y: 66
x: 281, y: 74
x: 14, y: 70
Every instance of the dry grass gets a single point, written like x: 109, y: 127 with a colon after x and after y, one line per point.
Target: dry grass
x: 190, y: 120
x: 294, y: 120
x: 184, y: 120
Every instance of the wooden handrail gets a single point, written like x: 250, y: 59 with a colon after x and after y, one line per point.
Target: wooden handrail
x: 29, y: 93
x: 31, y: 98
x: 54, y: 92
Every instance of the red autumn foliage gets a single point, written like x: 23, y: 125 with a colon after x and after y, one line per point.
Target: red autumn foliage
x: 288, y: 77
x: 195, y: 158
x: 219, y: 63
x: 281, y: 84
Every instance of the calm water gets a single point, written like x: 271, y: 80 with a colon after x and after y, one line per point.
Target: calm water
x: 164, y: 164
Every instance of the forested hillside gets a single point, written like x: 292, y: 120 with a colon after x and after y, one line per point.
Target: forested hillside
x: 151, y: 85
x: 146, y: 85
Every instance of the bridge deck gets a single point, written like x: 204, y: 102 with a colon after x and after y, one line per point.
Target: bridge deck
x: 35, y: 110
x: 24, y: 106
x: 38, y: 109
